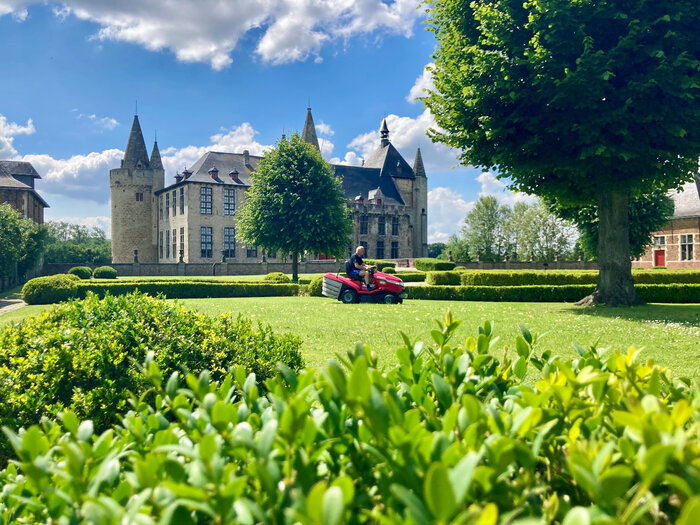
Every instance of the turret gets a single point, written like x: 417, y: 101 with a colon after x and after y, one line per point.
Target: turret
x: 155, y: 162
x: 308, y: 135
x: 385, y: 134
x: 418, y: 168
x: 135, y: 156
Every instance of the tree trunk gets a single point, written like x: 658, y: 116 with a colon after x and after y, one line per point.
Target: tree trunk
x: 615, y: 286
x: 295, y: 267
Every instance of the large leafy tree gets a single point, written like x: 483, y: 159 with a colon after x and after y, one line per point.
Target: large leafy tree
x: 295, y: 204
x: 22, y: 243
x: 590, y: 102
x: 484, y: 230
x: 539, y: 234
x: 75, y: 243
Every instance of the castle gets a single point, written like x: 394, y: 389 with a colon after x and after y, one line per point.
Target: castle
x: 192, y: 219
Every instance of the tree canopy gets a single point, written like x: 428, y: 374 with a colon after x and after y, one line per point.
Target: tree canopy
x: 587, y: 102
x: 22, y: 243
x: 295, y: 204
x: 75, y: 243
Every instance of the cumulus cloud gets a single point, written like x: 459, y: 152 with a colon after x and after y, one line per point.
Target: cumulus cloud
x: 350, y: 159
x: 209, y: 30
x: 446, y: 212
x: 490, y: 185
x: 423, y: 84
x: 100, y: 221
x: 8, y: 131
x: 102, y: 123
x: 324, y: 129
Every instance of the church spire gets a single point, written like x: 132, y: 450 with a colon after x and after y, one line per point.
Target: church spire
x: 384, y: 133
x: 418, y: 168
x: 309, y: 133
x: 155, y: 162
x: 136, y: 155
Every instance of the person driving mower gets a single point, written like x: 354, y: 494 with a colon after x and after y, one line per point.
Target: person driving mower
x: 358, y: 270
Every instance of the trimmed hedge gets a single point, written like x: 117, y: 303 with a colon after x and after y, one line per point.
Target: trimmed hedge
x: 380, y: 264
x: 316, y: 287
x: 104, y: 272
x: 389, y: 270
x: 84, y: 272
x: 84, y: 355
x: 276, y: 277
x: 428, y: 264
x: 566, y: 277
x: 443, y: 278
x: 651, y: 293
x: 50, y: 289
x: 410, y: 276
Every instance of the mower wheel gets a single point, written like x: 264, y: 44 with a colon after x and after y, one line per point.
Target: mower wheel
x: 348, y: 296
x: 390, y: 298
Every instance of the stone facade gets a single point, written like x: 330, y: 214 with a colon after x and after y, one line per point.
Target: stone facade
x: 17, y: 181
x: 677, y: 246
x: 192, y: 220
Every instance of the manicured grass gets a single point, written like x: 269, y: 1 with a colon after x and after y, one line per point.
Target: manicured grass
x: 670, y: 334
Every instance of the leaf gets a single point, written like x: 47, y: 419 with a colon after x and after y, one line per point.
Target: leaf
x: 461, y: 475
x: 489, y: 516
x: 526, y: 334
x: 333, y: 506
x: 414, y: 505
x: 34, y: 443
x: 691, y: 511
x: 577, y: 516
x: 520, y: 367
x: 359, y: 384
x: 438, y: 492
x: 615, y: 481
x: 443, y: 391
x: 70, y: 421
x: 522, y: 347
x: 85, y: 430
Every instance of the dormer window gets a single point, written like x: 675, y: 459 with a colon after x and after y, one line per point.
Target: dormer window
x: 234, y: 174
x: 379, y: 201
x: 398, y: 167
x: 214, y: 173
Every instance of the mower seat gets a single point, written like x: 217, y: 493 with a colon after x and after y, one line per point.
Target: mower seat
x: 353, y: 277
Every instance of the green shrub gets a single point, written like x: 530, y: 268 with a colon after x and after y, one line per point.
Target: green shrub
x: 81, y: 355
x: 390, y: 270
x: 84, y: 272
x: 565, y: 277
x: 461, y: 269
x: 276, y: 277
x: 666, y: 277
x: 659, y: 268
x: 316, y: 287
x: 443, y: 278
x: 50, y: 289
x: 452, y: 434
x: 104, y: 272
x: 380, y: 264
x: 427, y: 264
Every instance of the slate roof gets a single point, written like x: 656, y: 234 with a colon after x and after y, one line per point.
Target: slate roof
x: 8, y: 170
x: 136, y: 148
x: 360, y: 180
x: 14, y: 167
x: 156, y: 163
x: 308, y: 135
x: 386, y: 158
x: 225, y: 163
x: 687, y: 201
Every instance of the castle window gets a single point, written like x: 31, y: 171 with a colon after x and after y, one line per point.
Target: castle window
x: 174, y: 243
x: 382, y: 225
x: 251, y: 252
x: 380, y: 249
x: 363, y: 224
x: 394, y: 225
x: 229, y: 242
x: 686, y: 247
x: 182, y: 201
x: 182, y: 240
x: 167, y: 244
x: 139, y: 197
x: 167, y: 205
x: 160, y: 245
x: 174, y: 204
x: 160, y: 209
x: 206, y: 241
x: 205, y: 202
x: 659, y: 240
x: 229, y: 201
x: 394, y: 249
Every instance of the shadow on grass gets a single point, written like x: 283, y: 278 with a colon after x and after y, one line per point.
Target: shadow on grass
x: 685, y: 314
x: 12, y: 293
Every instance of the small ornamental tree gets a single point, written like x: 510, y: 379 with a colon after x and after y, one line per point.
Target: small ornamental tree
x: 295, y: 204
x: 587, y: 102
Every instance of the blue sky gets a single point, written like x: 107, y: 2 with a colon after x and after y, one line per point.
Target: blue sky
x: 216, y: 75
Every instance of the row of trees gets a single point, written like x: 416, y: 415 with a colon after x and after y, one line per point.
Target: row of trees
x: 74, y: 243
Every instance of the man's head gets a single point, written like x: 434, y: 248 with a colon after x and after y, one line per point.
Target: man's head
x: 360, y: 250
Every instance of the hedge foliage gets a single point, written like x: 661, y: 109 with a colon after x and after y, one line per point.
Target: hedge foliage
x: 84, y: 272
x: 50, y: 289
x: 564, y: 277
x: 443, y: 278
x: 104, y: 272
x: 380, y: 264
x: 316, y: 286
x: 429, y: 264
x: 450, y: 435
x: 83, y: 355
x: 651, y: 293
x: 276, y: 277
x: 410, y: 276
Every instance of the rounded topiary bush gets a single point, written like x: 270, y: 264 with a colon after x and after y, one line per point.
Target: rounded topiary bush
x: 460, y: 269
x: 84, y: 355
x: 277, y: 277
x: 50, y: 289
x: 105, y: 272
x: 316, y: 286
x: 83, y: 272
x: 389, y: 270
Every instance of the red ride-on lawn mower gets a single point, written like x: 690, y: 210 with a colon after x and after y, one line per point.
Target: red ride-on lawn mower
x: 388, y: 289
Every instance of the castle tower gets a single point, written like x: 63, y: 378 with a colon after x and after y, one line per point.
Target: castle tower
x: 420, y: 188
x: 134, y: 209
x: 308, y: 135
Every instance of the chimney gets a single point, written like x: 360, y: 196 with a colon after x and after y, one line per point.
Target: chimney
x: 246, y: 157
x: 186, y: 174
x: 178, y: 178
x: 398, y: 167
x: 214, y: 173
x: 234, y: 174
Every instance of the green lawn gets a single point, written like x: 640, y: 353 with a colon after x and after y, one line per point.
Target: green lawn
x: 670, y: 334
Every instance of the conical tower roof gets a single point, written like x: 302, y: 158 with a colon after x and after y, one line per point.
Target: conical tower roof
x: 155, y: 162
x: 418, y: 168
x: 136, y: 152
x: 309, y: 133
x: 384, y: 132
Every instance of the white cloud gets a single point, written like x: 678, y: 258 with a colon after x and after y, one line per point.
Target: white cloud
x: 209, y: 30
x: 350, y: 159
x: 324, y: 129
x: 102, y: 123
x: 102, y: 222
x: 8, y: 131
x: 490, y: 185
x: 423, y: 83
x: 446, y: 212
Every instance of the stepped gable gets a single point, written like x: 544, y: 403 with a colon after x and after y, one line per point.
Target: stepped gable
x: 136, y: 154
x: 308, y: 135
x: 156, y: 163
x: 361, y: 180
x: 687, y: 201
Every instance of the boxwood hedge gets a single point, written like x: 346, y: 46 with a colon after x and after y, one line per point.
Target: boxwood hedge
x: 50, y: 289
x: 83, y: 355
x: 563, y: 277
x: 104, y: 272
x: 429, y: 264
x: 84, y: 272
x: 452, y: 434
